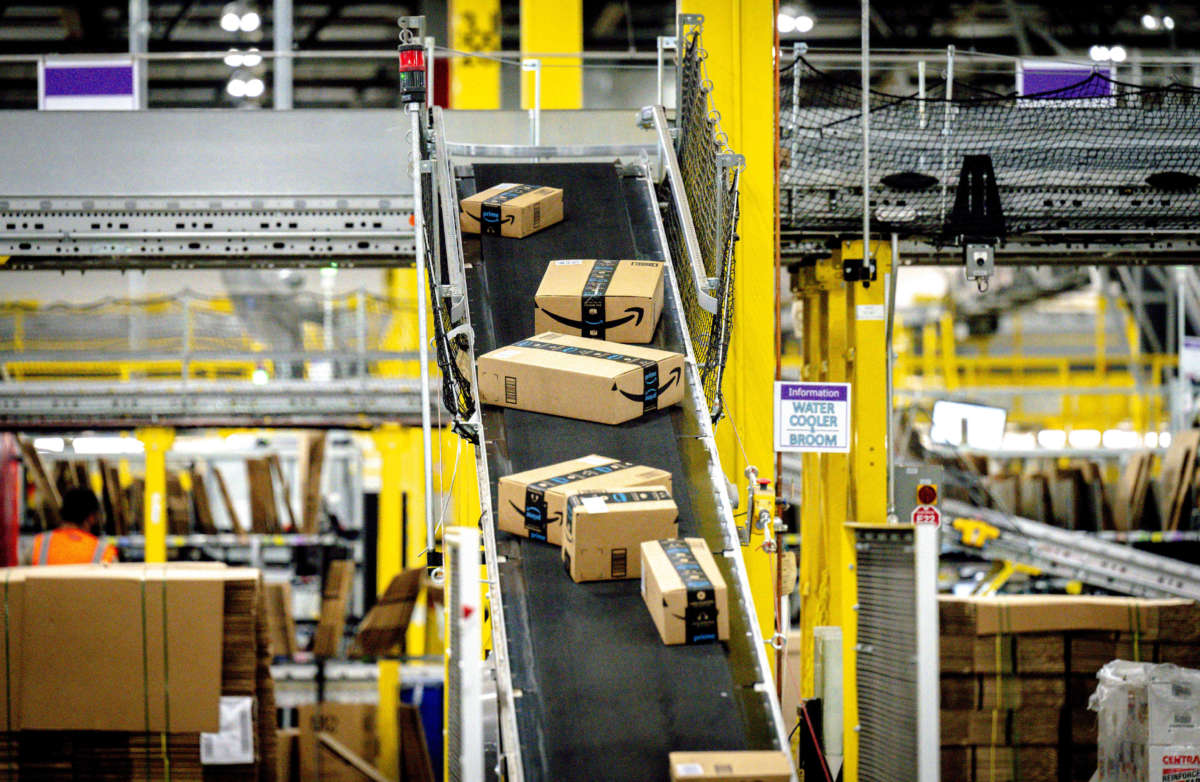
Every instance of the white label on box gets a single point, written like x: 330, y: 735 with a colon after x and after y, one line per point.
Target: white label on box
x: 870, y: 311
x: 506, y: 353
x: 593, y: 459
x: 593, y: 504
x: 568, y: 263
x: 688, y: 769
x: 235, y: 743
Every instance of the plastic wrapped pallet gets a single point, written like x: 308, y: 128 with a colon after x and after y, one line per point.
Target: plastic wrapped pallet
x: 1149, y: 722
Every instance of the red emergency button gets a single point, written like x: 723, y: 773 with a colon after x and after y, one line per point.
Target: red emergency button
x: 927, y: 494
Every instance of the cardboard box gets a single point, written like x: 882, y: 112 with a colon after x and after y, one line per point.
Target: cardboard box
x: 352, y: 724
x: 533, y: 503
x: 1173, y: 763
x: 287, y: 761
x: 605, y: 529
x: 684, y: 591
x: 335, y: 594
x: 510, y: 209
x: 731, y: 766
x: 1015, y: 614
x: 102, y: 654
x: 576, y: 377
x: 620, y: 301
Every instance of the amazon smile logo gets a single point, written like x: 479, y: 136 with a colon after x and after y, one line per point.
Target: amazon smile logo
x: 534, y: 514
x: 635, y: 314
x: 652, y: 394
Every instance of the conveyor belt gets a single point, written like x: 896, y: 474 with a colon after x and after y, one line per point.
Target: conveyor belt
x: 601, y: 698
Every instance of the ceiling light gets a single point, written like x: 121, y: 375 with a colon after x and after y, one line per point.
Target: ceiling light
x: 1150, y: 21
x: 250, y: 22
x: 234, y: 59
x: 237, y: 89
x: 1168, y: 23
x: 804, y: 23
x: 252, y: 59
x: 786, y: 23
x: 231, y: 21
x: 1098, y: 53
x: 255, y: 87
x: 1117, y: 54
x: 259, y: 376
x: 106, y: 445
x: 55, y: 444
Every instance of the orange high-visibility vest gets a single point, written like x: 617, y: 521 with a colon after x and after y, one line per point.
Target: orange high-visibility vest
x: 70, y: 546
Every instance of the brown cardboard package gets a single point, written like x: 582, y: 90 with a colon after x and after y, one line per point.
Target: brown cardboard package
x: 280, y: 622
x: 620, y: 301
x: 287, y: 760
x: 576, y: 377
x: 1015, y: 614
x: 605, y: 528
x: 120, y: 649
x: 532, y: 503
x: 352, y: 724
x: 730, y: 767
x: 512, y: 210
x: 684, y: 591
x: 335, y: 593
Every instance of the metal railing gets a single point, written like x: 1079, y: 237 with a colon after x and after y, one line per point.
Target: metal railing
x: 190, y: 337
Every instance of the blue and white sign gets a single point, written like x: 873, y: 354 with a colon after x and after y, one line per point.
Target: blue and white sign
x: 73, y: 84
x: 812, y: 417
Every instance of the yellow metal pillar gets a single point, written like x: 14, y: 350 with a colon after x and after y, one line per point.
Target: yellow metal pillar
x: 552, y: 31
x: 389, y: 441
x: 740, y: 39
x: 868, y: 365
x: 474, y: 27
x: 156, y: 441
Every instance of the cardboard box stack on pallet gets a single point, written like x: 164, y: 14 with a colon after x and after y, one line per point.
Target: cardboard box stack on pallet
x: 130, y: 670
x: 1017, y: 673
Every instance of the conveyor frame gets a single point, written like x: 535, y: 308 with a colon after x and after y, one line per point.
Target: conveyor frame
x: 696, y: 403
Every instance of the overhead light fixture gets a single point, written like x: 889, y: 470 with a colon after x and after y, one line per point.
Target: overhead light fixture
x: 53, y: 444
x: 231, y: 20
x: 252, y: 58
x: 1150, y: 21
x: 786, y: 23
x: 237, y: 89
x: 805, y: 23
x: 1098, y: 53
x: 107, y: 445
x: 1117, y: 54
x: 254, y: 87
x: 1168, y: 23
x: 259, y: 376
x: 237, y: 17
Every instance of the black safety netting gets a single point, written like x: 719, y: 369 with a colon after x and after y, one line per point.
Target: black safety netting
x: 1097, y: 156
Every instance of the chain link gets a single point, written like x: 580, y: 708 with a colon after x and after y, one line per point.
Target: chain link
x: 712, y: 191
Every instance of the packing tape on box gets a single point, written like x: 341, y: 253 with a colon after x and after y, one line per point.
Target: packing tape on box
x: 593, y: 316
x: 1135, y: 627
x: 536, y: 512
x: 166, y: 759
x: 584, y: 499
x: 651, y: 390
x: 490, y: 221
x: 700, y: 615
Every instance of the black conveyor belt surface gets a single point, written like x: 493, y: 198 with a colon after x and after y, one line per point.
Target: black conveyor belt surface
x: 602, y: 698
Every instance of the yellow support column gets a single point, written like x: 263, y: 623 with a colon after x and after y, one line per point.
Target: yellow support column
x: 156, y: 441
x: 474, y: 27
x: 552, y: 31
x: 389, y: 441
x: 868, y: 363
x: 740, y: 39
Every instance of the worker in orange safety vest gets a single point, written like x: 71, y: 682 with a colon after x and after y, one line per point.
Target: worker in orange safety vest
x: 73, y: 541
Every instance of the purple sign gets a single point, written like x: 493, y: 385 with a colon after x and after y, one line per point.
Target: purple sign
x: 818, y: 391
x: 103, y: 80
x: 1044, y: 83
x: 812, y: 417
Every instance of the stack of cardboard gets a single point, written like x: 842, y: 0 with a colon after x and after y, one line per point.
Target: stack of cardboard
x: 128, y: 669
x: 1017, y: 673
x: 280, y: 622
